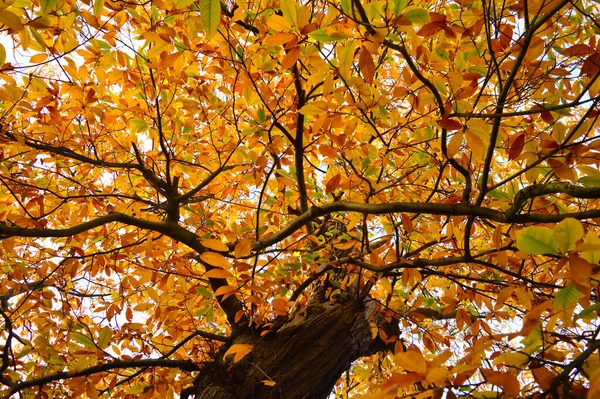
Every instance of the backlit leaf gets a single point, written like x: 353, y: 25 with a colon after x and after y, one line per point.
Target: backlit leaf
x: 566, y: 233
x: 536, y: 240
x: 210, y: 15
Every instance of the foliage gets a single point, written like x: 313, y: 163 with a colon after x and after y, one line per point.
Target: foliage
x: 172, y: 171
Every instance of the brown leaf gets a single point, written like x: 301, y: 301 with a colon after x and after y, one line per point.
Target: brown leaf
x: 516, y: 146
x: 449, y: 124
x: 366, y: 65
x: 333, y: 183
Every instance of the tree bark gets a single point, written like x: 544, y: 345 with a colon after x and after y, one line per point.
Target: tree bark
x: 303, y: 357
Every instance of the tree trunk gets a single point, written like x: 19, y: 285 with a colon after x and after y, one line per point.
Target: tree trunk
x: 303, y: 357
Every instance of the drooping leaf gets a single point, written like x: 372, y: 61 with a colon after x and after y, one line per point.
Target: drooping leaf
x: 566, y: 233
x: 210, y: 15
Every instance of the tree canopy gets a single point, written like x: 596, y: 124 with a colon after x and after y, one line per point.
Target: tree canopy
x: 287, y: 198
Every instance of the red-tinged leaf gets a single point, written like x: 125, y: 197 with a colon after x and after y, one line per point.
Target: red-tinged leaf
x: 577, y: 50
x: 509, y: 383
x: 516, y: 146
x: 328, y: 151
x: 431, y: 28
x: 547, y: 117
x: 591, y: 65
x: 366, y: 65
x: 407, y: 223
x: 506, y: 33
x: 290, y: 58
x: 333, y: 184
x: 449, y: 124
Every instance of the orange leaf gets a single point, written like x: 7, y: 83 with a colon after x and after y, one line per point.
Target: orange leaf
x: 215, y: 245
x: 218, y: 273
x: 239, y: 351
x: 290, y: 58
x: 215, y: 259
x: 242, y: 248
x: 449, y: 124
x: 333, y: 183
x: 509, y: 383
x: 581, y: 272
x: 366, y: 65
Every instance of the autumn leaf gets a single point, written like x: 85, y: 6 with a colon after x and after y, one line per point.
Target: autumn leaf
x: 215, y: 259
x: 210, y: 14
x: 449, y: 124
x: 366, y: 65
x: 509, y: 383
x: 238, y: 351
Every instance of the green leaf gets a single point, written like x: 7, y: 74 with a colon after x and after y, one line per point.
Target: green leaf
x: 204, y: 292
x: 98, y: 7
x: 137, y: 125
x: 417, y: 16
x: 210, y: 16
x: 321, y: 36
x: 47, y: 6
x: 566, y: 300
x: 289, y: 11
x: 536, y: 240
x: 105, y: 337
x: 83, y: 339
x: 589, y: 181
x: 566, y: 233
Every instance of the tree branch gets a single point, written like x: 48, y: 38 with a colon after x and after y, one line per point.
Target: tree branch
x: 185, y: 365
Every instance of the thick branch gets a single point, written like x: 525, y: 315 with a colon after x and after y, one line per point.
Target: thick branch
x: 185, y: 365
x: 537, y: 190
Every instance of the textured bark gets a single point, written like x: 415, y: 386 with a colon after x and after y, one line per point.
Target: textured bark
x: 304, y: 357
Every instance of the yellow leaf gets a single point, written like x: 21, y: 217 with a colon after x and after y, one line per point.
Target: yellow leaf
x: 269, y: 383
x: 215, y: 245
x: 411, y: 361
x: 242, y: 248
x: 455, y: 144
x: 215, y: 259
x: 278, y: 23
x: 6, y: 3
x: 239, y: 351
x: 218, y: 273
x: 476, y: 145
x: 7, y: 18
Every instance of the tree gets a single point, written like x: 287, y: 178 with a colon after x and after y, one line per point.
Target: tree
x: 284, y: 199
